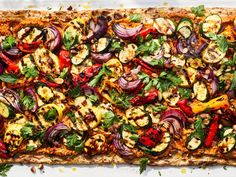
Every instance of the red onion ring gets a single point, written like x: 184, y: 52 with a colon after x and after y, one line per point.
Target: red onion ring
x: 101, y: 57
x: 13, y: 53
x: 125, y: 32
x: 54, y: 132
x: 54, y: 39
x: 12, y: 97
x: 120, y: 147
x: 32, y: 93
x: 128, y: 85
x: 174, y: 113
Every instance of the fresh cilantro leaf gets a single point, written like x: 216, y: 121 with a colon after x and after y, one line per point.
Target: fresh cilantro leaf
x: 109, y: 119
x: 4, y: 168
x: 121, y: 100
x: 27, y: 102
x: 220, y: 40
x: 30, y: 72
x: 134, y: 137
x: 30, y: 148
x: 93, y: 98
x: 143, y: 162
x: 8, y: 43
x: 199, y: 128
x: 75, y: 142
x: 221, y: 85
x: 64, y: 73
x: 69, y: 40
x: 233, y: 84
x: 116, y: 45
x: 157, y: 62
x: 199, y: 10
x: 129, y: 128
x: 75, y: 92
x: 9, y: 78
x: 72, y: 117
x: 104, y: 71
x: 135, y: 17
x: 51, y: 114
x: 144, y: 77
x: 159, y: 108
x: 185, y: 93
x: 27, y: 130
x: 231, y: 62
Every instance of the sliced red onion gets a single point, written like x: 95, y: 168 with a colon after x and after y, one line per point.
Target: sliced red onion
x: 174, y: 113
x: 128, y: 85
x: 126, y: 32
x: 13, y: 53
x: 176, y: 126
x: 1, y: 68
x: 136, y: 70
x: 53, y: 38
x: 99, y: 29
x: 12, y: 97
x: 3, y: 150
x: 214, y: 86
x: 54, y: 133
x: 120, y: 147
x: 182, y: 46
x: 101, y: 57
x: 32, y: 93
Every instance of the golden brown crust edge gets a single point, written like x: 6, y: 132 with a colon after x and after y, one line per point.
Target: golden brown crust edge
x: 8, y: 19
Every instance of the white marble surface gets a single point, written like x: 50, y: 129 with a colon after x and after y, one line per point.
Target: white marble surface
x: 120, y: 170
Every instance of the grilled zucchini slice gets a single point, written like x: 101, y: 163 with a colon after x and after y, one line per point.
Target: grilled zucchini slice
x: 81, y: 54
x: 6, y: 110
x: 44, y: 92
x: 164, y: 26
x: 200, y: 91
x: 128, y: 53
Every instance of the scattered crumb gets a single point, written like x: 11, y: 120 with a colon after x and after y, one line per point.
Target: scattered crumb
x: 159, y: 173
x: 224, y: 167
x: 70, y: 8
x: 183, y: 170
x: 73, y: 169
x: 61, y: 170
x: 113, y: 164
x: 49, y: 8
x: 40, y: 166
x: 33, y: 169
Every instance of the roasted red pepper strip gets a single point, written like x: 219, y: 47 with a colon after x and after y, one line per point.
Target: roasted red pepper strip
x: 183, y: 104
x: 11, y: 66
x: 212, y: 131
x: 147, y: 67
x: 64, y: 59
x: 3, y: 150
x: 29, y: 47
x: 50, y: 84
x: 142, y: 100
x: 86, y: 74
x: 144, y: 33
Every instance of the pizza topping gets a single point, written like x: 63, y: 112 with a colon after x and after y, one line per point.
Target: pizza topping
x: 124, y: 32
x: 101, y: 57
x: 212, y: 24
x: 80, y: 54
x: 121, y: 147
x: 164, y: 26
x: 53, y: 38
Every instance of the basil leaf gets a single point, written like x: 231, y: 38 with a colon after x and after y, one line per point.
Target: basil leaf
x: 143, y: 162
x: 9, y: 78
x: 199, y: 10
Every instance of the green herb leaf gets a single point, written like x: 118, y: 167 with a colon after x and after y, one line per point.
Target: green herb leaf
x: 4, y: 168
x: 135, y: 17
x: 231, y: 62
x: 159, y: 108
x: 221, y: 86
x: 116, y: 45
x: 148, y: 48
x: 51, y: 114
x: 27, y: 130
x: 220, y: 40
x: 199, y: 131
x: 121, y: 100
x: 71, y: 115
x: 199, y: 10
x: 185, y: 93
x: 130, y: 128
x: 93, y: 98
x: 30, y: 72
x: 104, y: 71
x: 143, y: 162
x: 9, y: 78
x: 75, y: 92
x: 75, y: 142
x: 30, y: 148
x: 109, y: 119
x: 144, y: 77
x: 156, y: 62
x: 134, y: 137
x: 8, y: 43
x: 69, y: 40
x: 64, y: 73
x: 27, y: 102
x: 233, y: 84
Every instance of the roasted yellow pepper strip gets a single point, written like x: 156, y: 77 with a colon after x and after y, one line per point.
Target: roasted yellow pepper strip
x: 214, y: 104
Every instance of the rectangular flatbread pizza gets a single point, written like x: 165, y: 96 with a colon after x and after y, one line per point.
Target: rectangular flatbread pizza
x: 114, y: 86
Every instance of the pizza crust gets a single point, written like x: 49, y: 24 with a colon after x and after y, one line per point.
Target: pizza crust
x: 10, y: 21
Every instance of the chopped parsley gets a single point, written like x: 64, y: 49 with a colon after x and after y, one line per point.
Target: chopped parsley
x: 220, y: 40
x: 75, y: 92
x: 104, y: 71
x: 115, y: 45
x: 27, y: 102
x: 27, y: 130
x: 9, y: 78
x: 185, y: 93
x: 135, y: 17
x: 30, y: 72
x: 121, y: 100
x: 75, y: 142
x: 93, y: 98
x: 231, y: 62
x: 144, y: 77
x: 72, y: 117
x: 69, y: 40
x: 51, y: 114
x: 4, y: 168
x: 199, y: 10
x: 143, y: 162
x: 159, y: 108
x: 109, y: 119
x: 8, y: 43
x: 157, y: 62
x: 129, y: 128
